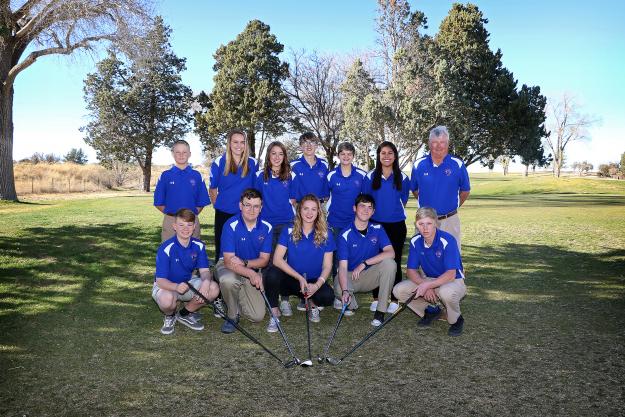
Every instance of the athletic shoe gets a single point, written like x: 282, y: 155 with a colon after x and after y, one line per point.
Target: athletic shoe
x: 228, y: 327
x: 190, y: 322
x: 378, y: 319
x: 338, y: 304
x: 374, y: 306
x: 272, y: 327
x: 392, y: 307
x: 219, y: 305
x: 196, y: 315
x: 320, y: 308
x: 301, y: 306
x: 456, y: 328
x: 349, y: 312
x: 314, y: 315
x: 168, y: 324
x: 285, y: 308
x: 429, y: 317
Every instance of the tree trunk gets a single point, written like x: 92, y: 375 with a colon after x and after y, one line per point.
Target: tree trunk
x: 147, y: 171
x: 251, y: 142
x: 7, y: 180
x: 527, y: 168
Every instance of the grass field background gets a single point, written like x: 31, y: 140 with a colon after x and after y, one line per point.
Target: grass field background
x: 545, y: 265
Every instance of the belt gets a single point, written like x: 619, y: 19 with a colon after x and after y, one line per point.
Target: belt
x: 451, y: 213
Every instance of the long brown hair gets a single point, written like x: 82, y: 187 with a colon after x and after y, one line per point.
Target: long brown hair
x: 321, y: 224
x: 230, y: 167
x: 285, y: 167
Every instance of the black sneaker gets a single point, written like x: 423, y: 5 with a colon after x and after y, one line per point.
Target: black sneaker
x: 378, y: 319
x: 456, y: 328
x: 429, y: 317
x: 190, y: 322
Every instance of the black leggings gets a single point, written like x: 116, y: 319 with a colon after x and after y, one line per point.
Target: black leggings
x: 397, y: 234
x: 221, y: 217
x: 278, y: 282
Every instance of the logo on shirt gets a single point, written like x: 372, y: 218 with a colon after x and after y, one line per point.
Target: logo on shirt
x: 192, y: 181
x: 438, y: 253
x: 285, y: 183
x: 261, y: 238
x: 193, y: 256
x: 425, y: 174
x: 354, y: 245
x: 373, y: 239
x: 320, y: 174
x: 448, y: 172
x: 357, y: 183
x: 171, y: 182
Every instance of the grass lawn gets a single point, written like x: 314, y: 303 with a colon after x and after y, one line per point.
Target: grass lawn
x: 545, y: 265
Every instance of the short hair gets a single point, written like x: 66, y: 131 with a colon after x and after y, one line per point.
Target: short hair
x: 250, y: 193
x: 180, y: 142
x: 186, y: 215
x: 423, y: 212
x: 439, y: 131
x: 365, y: 198
x: 346, y: 146
x: 308, y: 136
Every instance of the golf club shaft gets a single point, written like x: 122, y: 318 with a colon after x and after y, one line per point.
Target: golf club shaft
x: 282, y: 333
x: 338, y: 322
x: 308, y: 323
x: 234, y: 323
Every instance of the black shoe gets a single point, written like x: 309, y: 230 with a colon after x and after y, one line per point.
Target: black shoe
x: 429, y: 317
x: 456, y: 328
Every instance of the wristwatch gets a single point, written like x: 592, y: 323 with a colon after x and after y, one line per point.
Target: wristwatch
x: 245, y: 263
x: 366, y: 264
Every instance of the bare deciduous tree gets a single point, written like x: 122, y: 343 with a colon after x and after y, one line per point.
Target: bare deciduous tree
x: 47, y: 27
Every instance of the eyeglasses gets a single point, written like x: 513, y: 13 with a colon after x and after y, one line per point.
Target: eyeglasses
x: 249, y: 206
x: 309, y: 143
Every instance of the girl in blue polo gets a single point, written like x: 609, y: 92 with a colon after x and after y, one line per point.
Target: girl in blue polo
x: 231, y: 173
x: 390, y: 188
x: 275, y: 183
x: 302, y: 261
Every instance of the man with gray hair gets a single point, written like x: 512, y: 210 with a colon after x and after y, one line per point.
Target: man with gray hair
x: 441, y: 181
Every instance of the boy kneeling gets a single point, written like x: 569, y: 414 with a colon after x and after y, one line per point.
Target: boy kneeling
x: 176, y: 259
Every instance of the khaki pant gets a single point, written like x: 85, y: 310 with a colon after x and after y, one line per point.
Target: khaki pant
x: 451, y: 225
x: 168, y: 230
x: 379, y: 275
x: 239, y: 294
x: 450, y: 294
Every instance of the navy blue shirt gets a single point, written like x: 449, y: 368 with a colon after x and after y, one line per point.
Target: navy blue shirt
x: 310, y: 180
x: 343, y: 193
x: 389, y: 201
x: 245, y: 244
x: 277, y: 207
x: 231, y: 186
x: 435, y: 260
x: 181, y: 188
x: 304, y: 256
x: 355, y: 248
x: 176, y: 262
x: 439, y: 186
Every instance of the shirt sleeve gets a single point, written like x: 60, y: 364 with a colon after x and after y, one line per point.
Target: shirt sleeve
x: 414, y: 183
x: 451, y: 255
x: 292, y: 190
x: 405, y: 190
x: 266, y: 246
x: 465, y: 185
x: 413, y: 257
x: 284, y: 237
x: 215, y: 175
x: 159, y: 191
x: 366, y: 185
x: 202, y: 199
x: 325, y: 189
x: 162, y: 264
x: 228, y: 242
x: 258, y: 183
x: 383, y: 240
x: 330, y: 245
x: 342, y: 250
x: 202, y: 259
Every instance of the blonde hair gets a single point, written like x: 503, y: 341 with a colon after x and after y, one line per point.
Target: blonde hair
x: 429, y: 212
x: 321, y: 224
x: 230, y: 167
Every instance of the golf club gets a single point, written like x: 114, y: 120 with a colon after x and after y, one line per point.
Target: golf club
x: 321, y: 359
x: 295, y: 360
x: 237, y: 326
x: 402, y: 307
x: 307, y: 362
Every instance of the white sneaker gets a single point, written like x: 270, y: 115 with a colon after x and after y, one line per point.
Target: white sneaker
x: 376, y: 322
x: 338, y: 304
x: 168, y: 324
x: 374, y: 306
x: 392, y: 308
x: 218, y: 305
x: 314, y: 315
x: 272, y: 327
x: 349, y: 312
x: 285, y: 308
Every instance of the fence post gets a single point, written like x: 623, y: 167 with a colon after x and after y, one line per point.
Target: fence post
x: 69, y: 185
x: 52, y: 184
x: 32, y: 185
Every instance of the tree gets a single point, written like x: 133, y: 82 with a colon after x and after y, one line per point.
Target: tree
x: 46, y: 27
x: 247, y: 93
x: 622, y: 164
x: 139, y: 104
x: 40, y: 157
x: 77, y: 156
x: 582, y: 167
x: 567, y: 125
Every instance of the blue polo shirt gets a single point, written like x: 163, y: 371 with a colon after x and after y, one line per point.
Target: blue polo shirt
x: 245, y: 244
x: 304, y: 256
x: 277, y: 208
x: 231, y: 186
x: 439, y: 186
x: 389, y: 202
x: 343, y: 193
x: 442, y: 256
x: 354, y: 248
x: 181, y: 188
x: 310, y: 180
x: 176, y: 262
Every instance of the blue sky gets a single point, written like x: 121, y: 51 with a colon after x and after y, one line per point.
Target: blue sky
x: 562, y: 46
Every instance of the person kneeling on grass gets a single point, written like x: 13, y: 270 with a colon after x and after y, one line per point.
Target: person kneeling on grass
x: 366, y: 261
x: 245, y: 248
x: 308, y: 248
x: 441, y: 276
x: 176, y: 259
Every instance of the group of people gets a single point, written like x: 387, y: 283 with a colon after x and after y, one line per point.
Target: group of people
x: 299, y: 229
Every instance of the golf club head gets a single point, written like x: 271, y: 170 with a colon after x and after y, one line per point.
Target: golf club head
x: 320, y: 359
x: 333, y: 361
x: 306, y: 363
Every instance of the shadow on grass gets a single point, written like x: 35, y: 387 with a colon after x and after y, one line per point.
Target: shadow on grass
x: 550, y: 200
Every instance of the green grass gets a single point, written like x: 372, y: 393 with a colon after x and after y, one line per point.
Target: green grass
x: 545, y: 263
